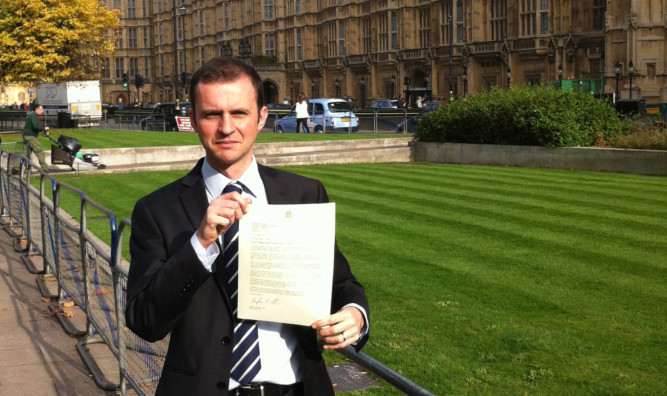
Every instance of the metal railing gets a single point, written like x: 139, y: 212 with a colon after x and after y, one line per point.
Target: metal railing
x: 93, y: 275
x: 369, y: 121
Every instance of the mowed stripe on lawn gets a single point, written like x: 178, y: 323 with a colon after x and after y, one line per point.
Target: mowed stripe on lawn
x: 532, y: 243
x: 495, y: 278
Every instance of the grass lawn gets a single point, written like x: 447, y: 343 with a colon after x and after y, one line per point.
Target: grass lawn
x: 102, y: 138
x: 494, y: 280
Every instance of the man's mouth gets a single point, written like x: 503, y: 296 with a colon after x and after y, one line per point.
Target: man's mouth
x: 226, y: 142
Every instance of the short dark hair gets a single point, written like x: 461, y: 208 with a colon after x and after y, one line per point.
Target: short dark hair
x: 225, y: 70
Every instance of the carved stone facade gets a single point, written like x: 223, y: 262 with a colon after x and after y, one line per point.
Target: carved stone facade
x: 364, y: 50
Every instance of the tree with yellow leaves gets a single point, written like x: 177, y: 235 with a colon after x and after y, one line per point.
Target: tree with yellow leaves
x: 53, y: 40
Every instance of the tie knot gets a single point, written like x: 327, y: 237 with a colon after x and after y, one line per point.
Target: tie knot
x: 233, y: 186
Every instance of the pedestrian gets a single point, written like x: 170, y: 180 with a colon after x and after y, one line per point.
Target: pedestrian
x: 419, y: 102
x: 401, y: 102
x: 31, y: 131
x: 121, y: 106
x: 182, y: 269
x: 302, y: 114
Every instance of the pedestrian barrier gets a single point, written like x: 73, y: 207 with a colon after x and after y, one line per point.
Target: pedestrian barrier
x: 92, y: 275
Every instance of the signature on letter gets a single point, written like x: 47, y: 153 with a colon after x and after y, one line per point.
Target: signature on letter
x: 261, y: 300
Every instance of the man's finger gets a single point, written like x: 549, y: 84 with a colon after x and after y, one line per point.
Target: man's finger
x: 234, y: 196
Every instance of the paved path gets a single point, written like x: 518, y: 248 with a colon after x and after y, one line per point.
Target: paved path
x: 37, y: 357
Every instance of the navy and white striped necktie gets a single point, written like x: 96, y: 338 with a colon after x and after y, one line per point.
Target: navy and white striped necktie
x: 245, y: 355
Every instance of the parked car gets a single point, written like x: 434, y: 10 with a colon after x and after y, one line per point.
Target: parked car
x: 278, y: 106
x: 108, y: 110
x: 384, y: 104
x: 412, y: 122
x: 164, y: 116
x: 431, y: 106
x: 326, y: 115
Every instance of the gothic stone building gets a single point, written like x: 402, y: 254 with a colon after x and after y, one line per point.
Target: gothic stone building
x: 364, y: 50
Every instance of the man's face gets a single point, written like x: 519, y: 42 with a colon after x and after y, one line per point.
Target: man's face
x: 39, y: 110
x: 227, y: 121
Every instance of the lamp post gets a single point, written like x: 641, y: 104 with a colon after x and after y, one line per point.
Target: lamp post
x: 393, y: 83
x: 312, y: 89
x: 182, y: 8
x: 362, y: 85
x: 509, y: 77
x: 465, y: 82
x: 560, y: 74
x: 176, y: 88
x: 631, y: 73
x: 291, y: 91
x: 451, y: 48
x: 337, y: 84
x: 617, y: 73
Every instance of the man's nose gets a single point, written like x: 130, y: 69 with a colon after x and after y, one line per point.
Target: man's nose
x: 226, y: 125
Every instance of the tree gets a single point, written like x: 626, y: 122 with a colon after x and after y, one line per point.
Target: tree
x: 53, y: 40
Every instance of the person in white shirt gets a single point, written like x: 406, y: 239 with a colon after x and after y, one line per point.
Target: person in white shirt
x: 302, y: 114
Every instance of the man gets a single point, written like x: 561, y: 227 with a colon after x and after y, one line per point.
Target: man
x: 401, y: 102
x: 31, y: 130
x: 178, y: 281
x: 302, y: 114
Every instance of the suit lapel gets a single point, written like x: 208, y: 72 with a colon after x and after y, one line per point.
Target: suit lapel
x: 193, y: 197
x: 195, y: 204
x: 276, y: 193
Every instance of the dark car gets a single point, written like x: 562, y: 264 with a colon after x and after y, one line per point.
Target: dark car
x: 278, y: 106
x: 164, y: 116
x: 410, y: 124
x: 108, y: 110
x: 384, y: 104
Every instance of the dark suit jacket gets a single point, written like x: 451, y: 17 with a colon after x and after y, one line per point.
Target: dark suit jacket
x: 169, y: 291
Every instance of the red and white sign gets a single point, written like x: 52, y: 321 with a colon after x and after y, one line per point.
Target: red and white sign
x: 184, y: 124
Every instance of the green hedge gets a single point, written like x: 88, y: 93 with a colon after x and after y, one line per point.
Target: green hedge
x: 533, y: 116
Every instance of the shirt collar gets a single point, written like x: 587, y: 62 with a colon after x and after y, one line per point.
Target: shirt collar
x: 216, y: 182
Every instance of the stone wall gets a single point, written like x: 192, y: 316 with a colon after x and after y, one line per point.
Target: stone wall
x: 649, y: 162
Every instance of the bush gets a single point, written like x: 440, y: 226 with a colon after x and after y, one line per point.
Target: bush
x: 524, y: 116
x: 643, y: 139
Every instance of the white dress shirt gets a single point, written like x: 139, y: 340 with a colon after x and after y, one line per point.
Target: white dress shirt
x: 276, y: 341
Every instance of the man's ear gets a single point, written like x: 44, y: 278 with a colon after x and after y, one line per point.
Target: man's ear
x: 263, y: 115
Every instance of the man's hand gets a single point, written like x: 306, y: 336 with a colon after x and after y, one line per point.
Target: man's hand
x: 222, y: 212
x: 46, y: 131
x: 340, y: 329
